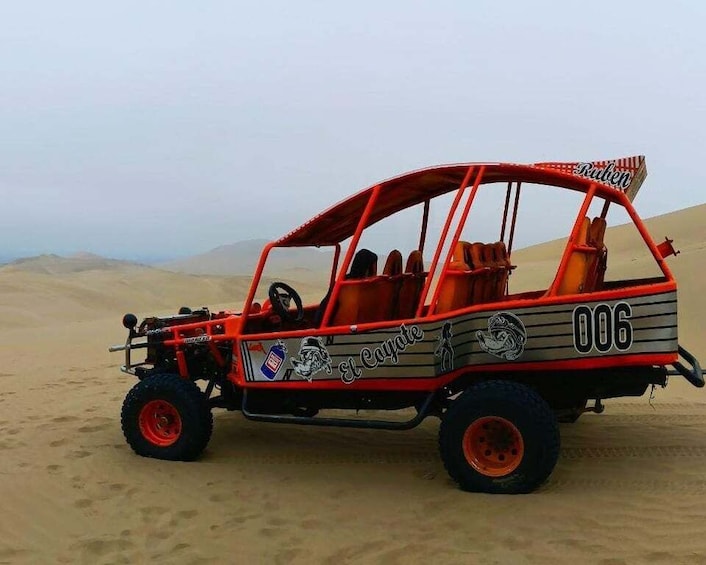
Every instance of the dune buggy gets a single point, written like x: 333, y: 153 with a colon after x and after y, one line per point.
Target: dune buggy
x: 445, y: 337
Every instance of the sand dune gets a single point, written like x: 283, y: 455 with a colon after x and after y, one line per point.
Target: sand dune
x: 630, y: 486
x: 241, y: 259
x: 52, y: 290
x: 37, y: 298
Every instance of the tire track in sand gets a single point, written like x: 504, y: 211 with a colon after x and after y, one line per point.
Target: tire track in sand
x: 431, y: 455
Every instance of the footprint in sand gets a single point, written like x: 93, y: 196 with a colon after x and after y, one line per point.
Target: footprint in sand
x: 96, y: 428
x: 101, y: 547
x: 11, y: 444
x: 180, y: 546
x: 289, y: 555
x: 180, y: 516
x: 277, y: 522
x: 150, y: 513
x: 161, y: 533
x: 311, y: 524
x: 63, y: 419
x: 242, y: 518
x: 11, y: 555
x: 163, y: 521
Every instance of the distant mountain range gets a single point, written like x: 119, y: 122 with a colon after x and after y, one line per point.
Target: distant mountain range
x: 311, y: 265
x: 56, y: 264
x: 237, y: 259
x: 241, y: 259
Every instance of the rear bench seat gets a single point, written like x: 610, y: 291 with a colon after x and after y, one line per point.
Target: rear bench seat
x: 366, y: 296
x: 477, y: 273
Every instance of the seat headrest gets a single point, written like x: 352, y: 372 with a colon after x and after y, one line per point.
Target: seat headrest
x: 393, y: 265
x: 596, y: 232
x: 582, y: 237
x: 364, y: 264
x: 476, y: 254
x: 415, y: 263
x: 460, y: 252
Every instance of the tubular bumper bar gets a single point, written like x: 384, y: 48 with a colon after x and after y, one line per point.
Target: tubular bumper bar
x: 128, y: 367
x: 694, y: 375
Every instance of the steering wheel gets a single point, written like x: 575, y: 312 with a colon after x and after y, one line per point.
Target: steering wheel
x: 281, y: 295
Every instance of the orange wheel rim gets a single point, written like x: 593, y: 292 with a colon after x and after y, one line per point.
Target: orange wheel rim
x: 160, y: 423
x: 493, y: 446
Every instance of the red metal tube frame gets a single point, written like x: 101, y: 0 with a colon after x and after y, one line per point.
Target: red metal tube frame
x: 442, y: 238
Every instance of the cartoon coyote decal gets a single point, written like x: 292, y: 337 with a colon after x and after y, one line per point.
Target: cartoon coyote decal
x: 505, y: 338
x: 313, y: 357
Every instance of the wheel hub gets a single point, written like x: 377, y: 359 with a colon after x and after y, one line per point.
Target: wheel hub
x: 493, y: 446
x: 160, y: 423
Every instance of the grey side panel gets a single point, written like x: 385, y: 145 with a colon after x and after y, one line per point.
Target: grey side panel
x: 644, y: 324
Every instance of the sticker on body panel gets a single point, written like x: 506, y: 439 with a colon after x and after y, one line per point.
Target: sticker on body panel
x: 607, y: 174
x: 274, y: 360
x: 313, y: 357
x: 445, y: 350
x: 505, y: 338
x: 388, y: 351
x: 601, y: 327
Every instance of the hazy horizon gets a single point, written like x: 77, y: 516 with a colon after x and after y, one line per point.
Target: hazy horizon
x: 145, y: 132
x: 156, y: 259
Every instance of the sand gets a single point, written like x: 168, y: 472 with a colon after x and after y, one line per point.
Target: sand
x: 630, y: 485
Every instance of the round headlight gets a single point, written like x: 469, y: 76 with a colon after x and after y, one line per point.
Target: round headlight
x: 129, y: 321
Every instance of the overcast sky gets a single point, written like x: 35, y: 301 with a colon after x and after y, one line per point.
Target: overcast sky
x: 157, y: 129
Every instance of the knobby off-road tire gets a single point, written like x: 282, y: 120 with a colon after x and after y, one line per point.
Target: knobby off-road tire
x: 167, y: 417
x: 499, y: 437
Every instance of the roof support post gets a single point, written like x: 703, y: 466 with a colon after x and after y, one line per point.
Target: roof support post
x: 507, y: 205
x: 572, y: 238
x: 256, y: 279
x: 349, y: 254
x: 425, y: 222
x: 442, y: 238
x: 514, y: 218
x: 454, y: 239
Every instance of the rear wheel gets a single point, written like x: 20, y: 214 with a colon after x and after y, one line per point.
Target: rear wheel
x: 167, y: 417
x: 499, y: 437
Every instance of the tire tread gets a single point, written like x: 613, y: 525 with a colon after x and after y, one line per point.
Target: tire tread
x: 197, y: 419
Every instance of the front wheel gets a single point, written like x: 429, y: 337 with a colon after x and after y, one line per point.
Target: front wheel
x: 499, y: 437
x: 167, y: 417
